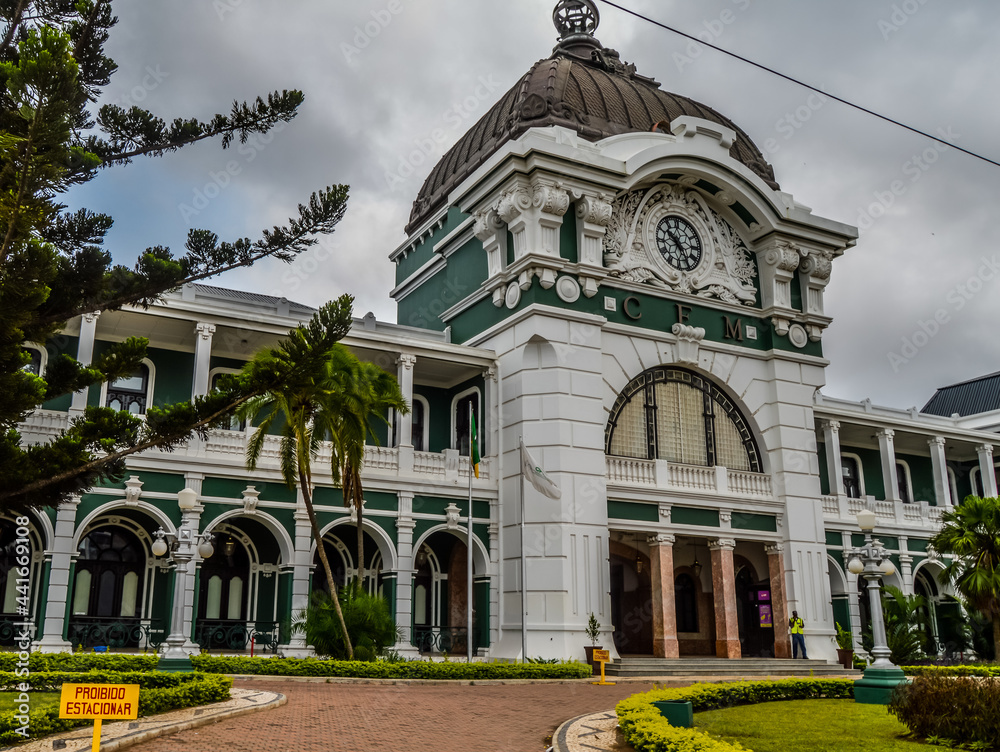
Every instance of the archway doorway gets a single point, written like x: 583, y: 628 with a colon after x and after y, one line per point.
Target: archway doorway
x: 631, y: 598
x: 754, y: 612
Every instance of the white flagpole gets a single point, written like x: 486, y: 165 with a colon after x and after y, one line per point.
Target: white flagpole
x: 468, y: 552
x: 524, y: 563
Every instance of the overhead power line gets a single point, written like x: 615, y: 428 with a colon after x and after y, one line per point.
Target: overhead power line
x: 799, y: 82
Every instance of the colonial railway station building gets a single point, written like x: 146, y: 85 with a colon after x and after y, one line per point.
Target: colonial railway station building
x: 610, y: 271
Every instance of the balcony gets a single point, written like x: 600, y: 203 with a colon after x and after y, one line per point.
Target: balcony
x: 918, y: 514
x: 670, y: 476
x: 229, y: 447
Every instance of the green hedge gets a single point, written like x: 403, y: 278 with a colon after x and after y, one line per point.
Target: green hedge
x: 963, y: 710
x: 80, y: 662
x: 648, y: 731
x: 193, y: 689
x: 984, y: 670
x: 213, y: 664
x: 51, y: 681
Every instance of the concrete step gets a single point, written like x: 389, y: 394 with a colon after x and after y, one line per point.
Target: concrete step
x: 748, y: 667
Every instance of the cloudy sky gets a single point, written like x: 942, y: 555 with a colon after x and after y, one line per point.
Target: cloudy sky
x: 914, y: 304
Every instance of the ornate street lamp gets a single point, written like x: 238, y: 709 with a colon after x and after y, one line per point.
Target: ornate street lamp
x: 872, y: 562
x: 180, y: 547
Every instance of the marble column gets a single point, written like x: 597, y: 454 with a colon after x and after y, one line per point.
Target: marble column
x: 60, y: 590
x: 834, y: 464
x: 939, y: 464
x: 887, y: 451
x: 202, y: 359
x: 779, y: 601
x: 727, y: 629
x: 661, y: 559
x: 85, y: 355
x: 986, y: 470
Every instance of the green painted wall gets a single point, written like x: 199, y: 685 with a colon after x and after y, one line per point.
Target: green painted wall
x: 465, y: 271
x: 916, y: 544
x: 834, y: 539
x: 921, y: 476
x: 425, y: 251
x: 689, y: 516
x: 824, y: 473
x: 657, y: 314
x: 481, y: 613
x: 630, y: 510
x: 746, y: 521
x: 153, y: 482
x: 232, y: 488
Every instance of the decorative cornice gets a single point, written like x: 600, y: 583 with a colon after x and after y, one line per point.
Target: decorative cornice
x: 661, y: 539
x: 596, y: 211
x: 407, y: 361
x: 205, y: 331
x: 722, y: 544
x: 774, y: 549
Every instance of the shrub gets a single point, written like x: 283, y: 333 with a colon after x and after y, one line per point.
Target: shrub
x: 80, y: 662
x: 648, y: 731
x: 368, y: 618
x: 216, y: 664
x: 980, y: 670
x: 51, y: 681
x: 962, y: 709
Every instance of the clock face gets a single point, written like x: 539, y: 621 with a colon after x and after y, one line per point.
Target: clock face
x: 679, y: 243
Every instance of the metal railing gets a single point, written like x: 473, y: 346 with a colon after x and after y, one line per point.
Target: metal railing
x: 89, y: 631
x: 224, y: 634
x: 12, y: 628
x: 451, y: 640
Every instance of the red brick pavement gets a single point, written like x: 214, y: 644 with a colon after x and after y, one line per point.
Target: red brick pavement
x: 401, y: 718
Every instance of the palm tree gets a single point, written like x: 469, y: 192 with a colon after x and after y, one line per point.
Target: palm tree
x: 300, y: 366
x: 971, y: 534
x: 360, y: 395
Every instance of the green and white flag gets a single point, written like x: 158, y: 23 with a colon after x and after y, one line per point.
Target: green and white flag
x: 537, y: 477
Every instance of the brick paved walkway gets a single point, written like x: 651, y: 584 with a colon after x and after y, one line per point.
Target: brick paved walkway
x: 401, y: 718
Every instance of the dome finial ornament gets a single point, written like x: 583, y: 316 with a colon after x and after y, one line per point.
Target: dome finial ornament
x: 576, y: 21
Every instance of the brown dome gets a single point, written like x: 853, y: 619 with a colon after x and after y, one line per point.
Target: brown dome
x: 582, y: 87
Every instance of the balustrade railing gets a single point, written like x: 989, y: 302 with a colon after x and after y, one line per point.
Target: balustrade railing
x: 749, y: 484
x: 226, y: 634
x: 631, y: 471
x: 90, y: 631
x: 12, y: 628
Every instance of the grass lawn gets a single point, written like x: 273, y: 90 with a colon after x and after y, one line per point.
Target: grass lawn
x: 808, y: 726
x: 39, y: 700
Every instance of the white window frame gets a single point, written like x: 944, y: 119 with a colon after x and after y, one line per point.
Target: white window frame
x: 44, y: 360
x: 150, y: 383
x: 907, y: 478
x: 211, y: 377
x: 861, y: 470
x: 454, y: 412
x: 426, y: 432
x: 953, y: 483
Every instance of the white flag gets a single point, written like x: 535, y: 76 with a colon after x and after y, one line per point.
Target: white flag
x: 537, y: 477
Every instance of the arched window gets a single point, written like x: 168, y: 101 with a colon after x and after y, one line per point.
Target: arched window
x: 222, y: 581
x: 677, y: 415
x: 35, y: 365
x: 130, y: 393
x: 461, y: 421
x: 108, y: 574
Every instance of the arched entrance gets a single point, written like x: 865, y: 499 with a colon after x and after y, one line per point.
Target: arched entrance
x: 238, y: 588
x: 440, y: 596
x: 20, y: 567
x: 631, y: 597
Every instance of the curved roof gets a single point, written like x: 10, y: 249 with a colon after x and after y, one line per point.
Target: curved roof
x: 583, y: 87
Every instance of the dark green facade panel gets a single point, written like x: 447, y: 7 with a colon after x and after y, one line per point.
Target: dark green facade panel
x: 630, y: 510
x: 232, y: 488
x: 916, y: 544
x: 691, y: 516
x: 834, y: 539
x: 746, y: 521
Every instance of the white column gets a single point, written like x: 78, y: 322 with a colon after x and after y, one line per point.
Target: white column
x: 490, y: 417
x: 888, y: 453
x: 405, y: 570
x: 986, y: 471
x: 406, y: 362
x: 85, y: 355
x: 834, y: 464
x: 853, y: 601
x: 905, y: 568
x: 60, y: 588
x: 202, y: 358
x: 942, y: 488
x: 301, y: 568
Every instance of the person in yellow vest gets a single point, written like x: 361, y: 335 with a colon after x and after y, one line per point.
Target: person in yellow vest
x: 795, y: 625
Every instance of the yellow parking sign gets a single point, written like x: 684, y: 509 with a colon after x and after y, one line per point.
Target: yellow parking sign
x: 115, y: 702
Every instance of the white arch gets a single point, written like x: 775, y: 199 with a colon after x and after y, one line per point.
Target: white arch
x: 110, y: 507
x: 42, y: 524
x: 480, y: 557
x: 286, y: 548
x: 380, y: 536
x: 834, y: 566
x: 934, y: 567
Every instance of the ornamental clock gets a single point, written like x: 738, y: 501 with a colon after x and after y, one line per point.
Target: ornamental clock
x: 678, y: 243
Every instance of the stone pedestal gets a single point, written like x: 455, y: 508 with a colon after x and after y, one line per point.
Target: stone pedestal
x: 877, y: 685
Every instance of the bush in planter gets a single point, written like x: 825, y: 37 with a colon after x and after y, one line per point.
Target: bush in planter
x: 369, y: 621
